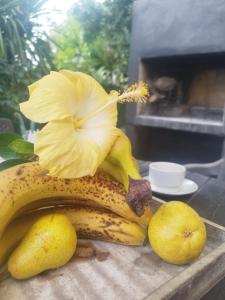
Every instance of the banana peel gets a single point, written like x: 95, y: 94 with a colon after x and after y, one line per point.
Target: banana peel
x: 121, y: 165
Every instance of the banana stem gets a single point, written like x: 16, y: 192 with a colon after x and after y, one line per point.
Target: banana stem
x: 139, y: 195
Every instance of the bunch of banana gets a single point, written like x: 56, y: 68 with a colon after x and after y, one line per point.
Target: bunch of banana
x: 97, y: 206
x: 89, y: 223
x: 25, y: 188
x: 27, y: 184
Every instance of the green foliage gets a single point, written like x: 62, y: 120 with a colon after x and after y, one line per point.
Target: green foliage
x: 25, y: 53
x: 72, y: 51
x: 5, y: 140
x: 21, y: 146
x: 95, y: 39
x: 11, y: 163
x: 15, y: 150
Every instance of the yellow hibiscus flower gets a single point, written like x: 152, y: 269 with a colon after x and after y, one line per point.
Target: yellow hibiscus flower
x: 67, y: 146
x: 81, y: 121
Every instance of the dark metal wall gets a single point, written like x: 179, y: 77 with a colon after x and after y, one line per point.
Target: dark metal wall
x: 163, y: 28
x: 175, y: 27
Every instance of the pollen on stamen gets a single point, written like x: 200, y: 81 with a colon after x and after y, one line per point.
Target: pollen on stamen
x: 138, y: 93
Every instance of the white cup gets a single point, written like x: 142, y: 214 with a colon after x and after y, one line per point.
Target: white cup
x: 166, y: 174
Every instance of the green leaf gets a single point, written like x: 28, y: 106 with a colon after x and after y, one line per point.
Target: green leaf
x: 8, y: 137
x: 5, y: 139
x: 7, y: 153
x: 21, y: 146
x: 12, y: 162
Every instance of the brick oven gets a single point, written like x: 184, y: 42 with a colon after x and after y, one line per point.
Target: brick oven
x: 178, y: 47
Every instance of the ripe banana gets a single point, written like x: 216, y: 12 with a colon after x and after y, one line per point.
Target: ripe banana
x: 115, y: 171
x: 120, y: 160
x: 27, y: 183
x: 123, y: 167
x: 56, y: 202
x: 89, y: 223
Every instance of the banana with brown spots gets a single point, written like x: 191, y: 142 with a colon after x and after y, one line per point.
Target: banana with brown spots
x: 27, y: 184
x: 89, y: 223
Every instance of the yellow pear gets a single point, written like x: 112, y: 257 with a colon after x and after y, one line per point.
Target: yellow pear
x: 49, y: 244
x: 177, y: 233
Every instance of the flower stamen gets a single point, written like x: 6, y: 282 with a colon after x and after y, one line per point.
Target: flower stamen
x: 137, y: 92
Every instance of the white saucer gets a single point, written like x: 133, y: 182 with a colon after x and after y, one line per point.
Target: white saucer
x: 188, y: 187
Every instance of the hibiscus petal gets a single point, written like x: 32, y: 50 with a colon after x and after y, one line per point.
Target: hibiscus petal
x: 91, y: 96
x: 51, y: 98
x: 64, y: 94
x: 71, y: 153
